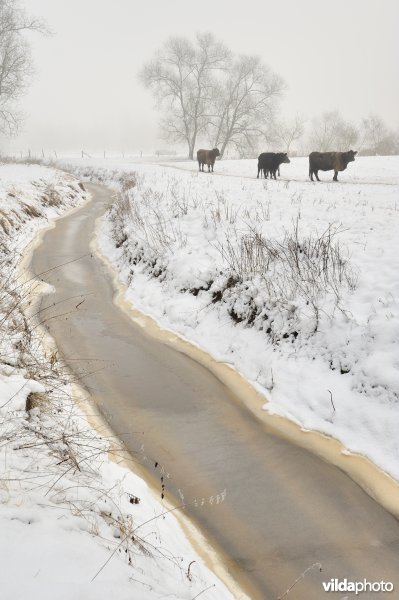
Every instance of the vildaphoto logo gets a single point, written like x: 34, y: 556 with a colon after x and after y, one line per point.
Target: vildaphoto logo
x: 358, y: 587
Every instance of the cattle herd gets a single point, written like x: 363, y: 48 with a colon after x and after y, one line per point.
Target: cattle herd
x: 269, y: 162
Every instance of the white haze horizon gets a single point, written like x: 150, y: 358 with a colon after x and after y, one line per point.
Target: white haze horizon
x: 86, y: 94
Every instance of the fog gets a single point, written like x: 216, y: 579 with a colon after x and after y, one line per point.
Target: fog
x: 85, y: 93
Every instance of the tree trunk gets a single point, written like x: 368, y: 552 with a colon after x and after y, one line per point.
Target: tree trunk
x: 223, y: 148
x: 191, y: 146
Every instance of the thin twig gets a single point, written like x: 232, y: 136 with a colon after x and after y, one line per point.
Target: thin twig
x: 301, y: 576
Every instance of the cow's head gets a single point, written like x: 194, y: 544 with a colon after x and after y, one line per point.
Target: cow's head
x: 284, y: 157
x: 216, y: 151
x: 350, y: 155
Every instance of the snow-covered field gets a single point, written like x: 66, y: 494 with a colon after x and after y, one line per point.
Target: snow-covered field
x: 292, y: 282
x: 69, y: 527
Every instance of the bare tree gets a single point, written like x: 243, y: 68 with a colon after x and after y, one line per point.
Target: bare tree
x: 376, y: 137
x: 244, y: 103
x: 395, y: 142
x: 331, y: 132
x: 323, y: 132
x: 181, y: 78
x: 286, y: 133
x: 15, y: 61
x: 347, y: 135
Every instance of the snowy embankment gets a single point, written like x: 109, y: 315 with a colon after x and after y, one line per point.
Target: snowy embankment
x: 293, y: 283
x: 70, y: 523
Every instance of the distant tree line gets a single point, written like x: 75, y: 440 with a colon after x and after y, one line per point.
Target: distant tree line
x: 330, y: 131
x: 204, y: 91
x: 370, y: 136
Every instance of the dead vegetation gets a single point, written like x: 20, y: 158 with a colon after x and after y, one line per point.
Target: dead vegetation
x: 293, y: 271
x: 270, y: 283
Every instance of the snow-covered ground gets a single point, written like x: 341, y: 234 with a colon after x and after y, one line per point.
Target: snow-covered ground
x: 292, y: 282
x: 379, y: 169
x: 70, y: 526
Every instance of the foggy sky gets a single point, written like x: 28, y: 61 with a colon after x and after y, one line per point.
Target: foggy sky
x: 340, y: 55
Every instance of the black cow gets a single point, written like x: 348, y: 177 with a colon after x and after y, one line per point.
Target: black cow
x: 269, y: 162
x: 207, y: 157
x: 329, y: 161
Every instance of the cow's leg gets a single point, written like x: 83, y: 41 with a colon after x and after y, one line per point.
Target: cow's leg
x: 259, y: 170
x: 199, y: 166
x: 317, y: 175
x: 265, y: 173
x: 335, y: 178
x: 311, y: 174
x: 278, y: 171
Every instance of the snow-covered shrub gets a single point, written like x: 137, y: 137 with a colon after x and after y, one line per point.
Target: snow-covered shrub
x: 291, y: 271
